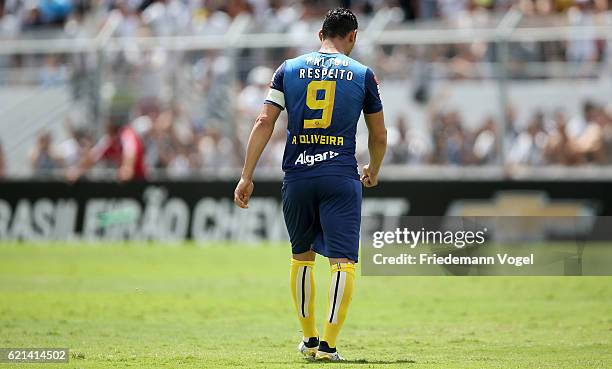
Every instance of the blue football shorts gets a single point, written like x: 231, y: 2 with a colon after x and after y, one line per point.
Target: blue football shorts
x: 323, y: 214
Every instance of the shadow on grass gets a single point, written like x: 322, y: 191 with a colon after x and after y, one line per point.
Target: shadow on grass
x: 364, y: 362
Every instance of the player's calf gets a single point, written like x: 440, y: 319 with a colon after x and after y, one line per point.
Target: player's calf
x: 340, y: 296
x: 303, y: 294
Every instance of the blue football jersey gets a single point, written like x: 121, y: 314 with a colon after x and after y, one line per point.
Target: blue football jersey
x: 324, y: 94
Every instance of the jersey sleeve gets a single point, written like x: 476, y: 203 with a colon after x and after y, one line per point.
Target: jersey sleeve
x: 129, y: 143
x: 371, y: 102
x: 276, y: 95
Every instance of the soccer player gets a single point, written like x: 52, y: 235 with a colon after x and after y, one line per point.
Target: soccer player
x: 122, y: 147
x: 324, y: 93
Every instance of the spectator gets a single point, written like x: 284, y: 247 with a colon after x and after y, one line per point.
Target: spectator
x: 251, y: 96
x: 559, y: 146
x: 450, y: 141
x: 126, y: 17
x: 44, y: 159
x: 167, y: 17
x: 590, y: 144
x: 47, y: 12
x: 2, y: 163
x: 10, y: 24
x: 578, y: 124
x: 121, y: 147
x: 399, y: 150
x: 582, y: 51
x: 408, y: 148
x: 528, y: 148
x: 452, y: 10
x: 53, y: 73
x: 74, y: 147
x: 484, y: 143
x: 179, y: 164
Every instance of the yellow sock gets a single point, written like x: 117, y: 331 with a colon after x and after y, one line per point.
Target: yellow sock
x: 303, y: 293
x: 340, y: 295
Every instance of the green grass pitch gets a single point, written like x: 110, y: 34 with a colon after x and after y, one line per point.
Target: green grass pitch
x: 227, y: 306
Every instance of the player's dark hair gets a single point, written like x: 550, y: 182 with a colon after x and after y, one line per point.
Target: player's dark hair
x: 339, y: 22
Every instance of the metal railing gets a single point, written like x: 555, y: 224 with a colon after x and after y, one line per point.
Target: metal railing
x: 376, y: 33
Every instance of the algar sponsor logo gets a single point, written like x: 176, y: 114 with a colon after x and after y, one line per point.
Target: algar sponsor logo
x: 310, y: 160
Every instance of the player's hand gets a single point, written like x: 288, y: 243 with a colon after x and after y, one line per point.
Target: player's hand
x: 126, y: 173
x: 243, y: 192
x: 73, y: 175
x: 368, y: 177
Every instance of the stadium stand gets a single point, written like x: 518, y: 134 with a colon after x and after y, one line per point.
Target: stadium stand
x: 464, y: 83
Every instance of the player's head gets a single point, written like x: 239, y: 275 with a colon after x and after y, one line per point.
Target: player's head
x: 115, y: 122
x: 340, y: 24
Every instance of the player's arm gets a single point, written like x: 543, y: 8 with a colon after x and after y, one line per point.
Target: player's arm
x: 128, y: 159
x: 260, y: 135
x: 377, y: 145
x: 89, y: 159
x: 377, y: 137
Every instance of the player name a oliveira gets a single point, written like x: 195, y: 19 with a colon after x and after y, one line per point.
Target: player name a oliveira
x: 450, y: 259
x: 318, y: 139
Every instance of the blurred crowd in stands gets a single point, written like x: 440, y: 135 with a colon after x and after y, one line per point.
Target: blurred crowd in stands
x: 177, y: 17
x: 191, y: 112
x: 163, y: 142
x: 546, y: 138
x: 142, y: 18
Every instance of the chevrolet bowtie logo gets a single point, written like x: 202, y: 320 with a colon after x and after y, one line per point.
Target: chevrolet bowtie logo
x: 527, y: 215
x: 521, y: 203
